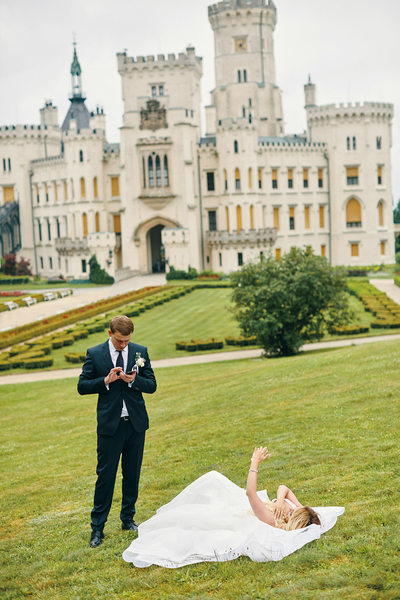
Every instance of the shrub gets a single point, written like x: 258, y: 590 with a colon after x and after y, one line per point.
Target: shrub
x: 349, y: 330
x: 38, y: 363
x: 97, y: 274
x: 5, y: 365
x: 75, y: 357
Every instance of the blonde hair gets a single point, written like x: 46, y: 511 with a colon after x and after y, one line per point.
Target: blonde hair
x: 302, y: 517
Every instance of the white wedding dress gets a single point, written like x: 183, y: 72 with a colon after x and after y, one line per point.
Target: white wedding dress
x: 211, y: 520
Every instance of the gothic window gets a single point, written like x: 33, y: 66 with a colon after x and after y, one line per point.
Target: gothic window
x: 166, y: 175
x: 251, y: 211
x: 250, y: 119
x: 158, y: 171
x: 320, y: 178
x: 151, y: 171
x: 58, y: 228
x: 9, y: 164
x: 46, y: 189
x: 212, y: 220
x: 353, y: 213
x: 378, y: 143
x: 237, y: 179
x: 225, y: 180
x: 55, y: 192
x: 348, y: 143
x: 260, y: 179
x: 250, y: 178
x: 235, y: 146
x: 239, y: 76
x: 80, y: 155
x: 51, y: 263
x: 379, y: 175
x: 210, y: 181
x: 354, y: 143
x: 83, y: 188
x: 41, y: 262
x: 244, y: 75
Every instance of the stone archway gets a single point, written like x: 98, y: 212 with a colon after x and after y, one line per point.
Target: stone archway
x: 147, y: 237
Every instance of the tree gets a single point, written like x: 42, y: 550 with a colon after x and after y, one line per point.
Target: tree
x: 97, y: 274
x: 9, y: 266
x: 288, y: 302
x: 396, y: 213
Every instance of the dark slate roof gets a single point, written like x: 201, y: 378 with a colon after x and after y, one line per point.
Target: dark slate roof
x: 111, y: 147
x: 77, y: 112
x: 209, y: 140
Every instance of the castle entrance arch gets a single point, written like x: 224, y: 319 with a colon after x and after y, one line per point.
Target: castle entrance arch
x: 147, y: 238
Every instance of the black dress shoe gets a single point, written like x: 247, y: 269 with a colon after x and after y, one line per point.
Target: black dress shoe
x: 96, y: 538
x: 129, y: 526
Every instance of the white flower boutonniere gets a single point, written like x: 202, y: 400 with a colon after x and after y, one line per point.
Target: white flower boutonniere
x: 139, y: 360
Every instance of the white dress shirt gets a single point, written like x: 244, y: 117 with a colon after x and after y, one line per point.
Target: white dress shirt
x: 114, y: 355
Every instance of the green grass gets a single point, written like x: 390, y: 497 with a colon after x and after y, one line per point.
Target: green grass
x: 329, y: 420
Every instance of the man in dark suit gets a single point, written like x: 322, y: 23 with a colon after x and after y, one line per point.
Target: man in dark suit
x: 118, y: 371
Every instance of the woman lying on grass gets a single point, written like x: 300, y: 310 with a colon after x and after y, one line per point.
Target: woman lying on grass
x: 285, y: 512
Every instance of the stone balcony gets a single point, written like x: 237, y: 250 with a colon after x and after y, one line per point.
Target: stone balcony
x: 69, y: 246
x: 252, y: 237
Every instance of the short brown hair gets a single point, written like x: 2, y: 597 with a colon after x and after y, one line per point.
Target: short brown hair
x: 122, y: 324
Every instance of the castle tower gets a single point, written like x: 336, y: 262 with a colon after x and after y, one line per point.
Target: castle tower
x: 309, y: 93
x: 78, y: 116
x: 245, y: 65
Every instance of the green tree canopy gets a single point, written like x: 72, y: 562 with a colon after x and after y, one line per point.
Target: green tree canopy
x: 288, y: 302
x: 97, y: 274
x: 396, y: 213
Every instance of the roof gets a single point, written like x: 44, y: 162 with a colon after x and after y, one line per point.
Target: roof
x: 77, y: 112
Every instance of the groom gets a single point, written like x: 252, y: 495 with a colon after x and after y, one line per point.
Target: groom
x: 118, y: 371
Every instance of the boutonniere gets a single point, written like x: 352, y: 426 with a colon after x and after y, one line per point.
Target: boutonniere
x: 139, y: 360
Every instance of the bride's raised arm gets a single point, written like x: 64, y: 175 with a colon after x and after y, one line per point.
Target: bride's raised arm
x: 259, y: 509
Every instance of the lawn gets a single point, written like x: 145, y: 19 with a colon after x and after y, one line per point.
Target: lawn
x: 329, y: 419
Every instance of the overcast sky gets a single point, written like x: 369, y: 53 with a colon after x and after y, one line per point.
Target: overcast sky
x: 351, y: 48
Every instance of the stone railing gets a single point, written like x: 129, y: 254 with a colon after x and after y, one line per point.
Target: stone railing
x: 67, y: 246
x: 258, y: 237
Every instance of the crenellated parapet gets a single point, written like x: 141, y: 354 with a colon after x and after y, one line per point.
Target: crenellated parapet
x: 28, y: 131
x: 223, y: 11
x: 184, y: 60
x: 329, y: 113
x: 228, y: 5
x: 292, y: 143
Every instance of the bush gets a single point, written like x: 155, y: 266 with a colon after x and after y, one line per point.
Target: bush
x: 97, y: 274
x: 180, y: 274
x: 241, y: 340
x: 38, y: 363
x: 349, y: 330
x: 197, y: 344
x: 75, y: 357
x: 5, y: 365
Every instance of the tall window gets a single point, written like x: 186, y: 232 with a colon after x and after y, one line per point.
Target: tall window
x: 290, y: 178
x: 322, y: 217
x: 235, y: 146
x: 291, y: 218
x: 161, y: 90
x: 158, y: 171
x: 305, y: 178
x: 277, y: 254
x: 274, y: 177
x: 50, y: 262
x: 354, y: 143
x: 115, y: 187
x: 239, y: 218
x: 383, y: 248
x: 58, y: 228
x: 151, y: 171
x: 379, y: 143
x: 49, y: 230
x: 153, y: 91
x: 239, y: 76
x: 80, y: 155
x: 251, y: 211
x: 212, y: 220
x: 210, y: 181
x: 55, y: 192
x: 379, y: 175
x: 166, y: 175
x: 355, y: 249
x: 65, y: 190
x: 39, y: 230
x: 95, y: 188
x: 353, y: 213
x: 237, y: 179
x: 352, y: 175
x: 348, y: 143
x: 380, y: 214
x: 320, y: 178
x: 37, y: 193
x: 245, y: 75
x: 260, y: 179
x: 97, y: 222
x: 83, y: 188
x: 276, y: 217
x: 240, y: 258
x: 227, y: 218
x: 83, y: 265
x: 144, y: 171
x: 323, y: 250
x: 46, y: 190
x: 306, y: 217
x: 8, y: 193
x: 250, y: 178
x: 84, y: 225
x: 225, y: 180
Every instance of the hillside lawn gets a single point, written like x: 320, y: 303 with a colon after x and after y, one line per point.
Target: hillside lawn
x: 330, y: 420
x: 201, y: 314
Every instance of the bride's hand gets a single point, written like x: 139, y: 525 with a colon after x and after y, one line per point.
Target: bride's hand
x: 281, y: 509
x: 260, y: 454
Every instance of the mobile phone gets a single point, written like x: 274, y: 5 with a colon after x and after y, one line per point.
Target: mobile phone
x: 134, y: 370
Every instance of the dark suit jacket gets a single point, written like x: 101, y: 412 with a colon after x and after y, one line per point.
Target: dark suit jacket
x: 109, y: 406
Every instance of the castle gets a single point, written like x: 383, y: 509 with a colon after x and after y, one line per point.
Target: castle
x: 166, y: 195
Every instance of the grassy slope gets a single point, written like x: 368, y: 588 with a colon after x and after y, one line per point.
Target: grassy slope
x: 328, y: 418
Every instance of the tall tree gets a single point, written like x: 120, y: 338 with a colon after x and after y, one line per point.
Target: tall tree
x: 288, y: 302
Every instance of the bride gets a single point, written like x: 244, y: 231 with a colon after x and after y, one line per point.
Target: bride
x: 213, y: 519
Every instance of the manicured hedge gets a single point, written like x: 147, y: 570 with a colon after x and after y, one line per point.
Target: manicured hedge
x: 38, y: 363
x: 197, y: 344
x: 241, y: 341
x: 349, y: 330
x: 75, y: 357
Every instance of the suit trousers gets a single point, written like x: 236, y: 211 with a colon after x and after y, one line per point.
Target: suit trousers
x: 127, y: 444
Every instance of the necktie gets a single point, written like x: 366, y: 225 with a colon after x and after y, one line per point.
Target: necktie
x: 120, y: 360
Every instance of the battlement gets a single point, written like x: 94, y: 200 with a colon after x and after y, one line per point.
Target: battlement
x: 83, y: 134
x: 227, y: 5
x: 49, y: 160
x: 350, y: 110
x: 294, y: 143
x: 183, y: 59
x: 21, y: 131
x: 111, y: 149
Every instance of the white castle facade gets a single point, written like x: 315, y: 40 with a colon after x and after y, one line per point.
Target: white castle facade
x: 168, y: 195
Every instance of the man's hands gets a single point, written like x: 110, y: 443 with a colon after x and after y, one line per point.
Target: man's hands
x: 117, y: 373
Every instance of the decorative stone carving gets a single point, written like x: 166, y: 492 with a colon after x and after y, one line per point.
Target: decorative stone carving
x: 153, y: 116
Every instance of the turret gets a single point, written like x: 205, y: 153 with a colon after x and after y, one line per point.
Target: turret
x: 310, y: 93
x: 78, y: 116
x: 48, y: 114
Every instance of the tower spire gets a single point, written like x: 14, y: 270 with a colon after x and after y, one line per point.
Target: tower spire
x: 76, y: 74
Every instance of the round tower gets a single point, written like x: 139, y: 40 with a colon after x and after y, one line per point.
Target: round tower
x: 245, y: 64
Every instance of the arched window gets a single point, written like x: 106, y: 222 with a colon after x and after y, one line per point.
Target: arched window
x: 158, y: 171
x: 235, y: 146
x: 95, y: 188
x: 251, y: 216
x: 225, y: 180
x: 237, y: 179
x: 84, y: 225
x: 238, y: 218
x: 380, y: 214
x: 151, y: 171
x: 353, y: 213
x: 166, y: 175
x: 83, y: 188
x: 250, y: 178
x: 80, y: 155
x: 97, y: 222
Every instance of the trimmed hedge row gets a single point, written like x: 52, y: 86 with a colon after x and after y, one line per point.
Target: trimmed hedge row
x: 241, y: 340
x: 397, y: 281
x: 13, y: 280
x: 383, y: 308
x: 349, y: 330
x: 197, y: 344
